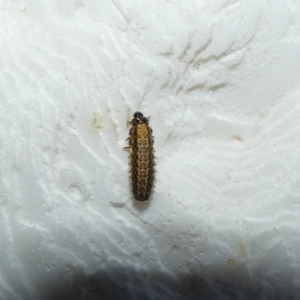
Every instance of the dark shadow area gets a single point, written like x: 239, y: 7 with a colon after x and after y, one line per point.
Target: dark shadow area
x: 128, y: 284
x: 141, y: 205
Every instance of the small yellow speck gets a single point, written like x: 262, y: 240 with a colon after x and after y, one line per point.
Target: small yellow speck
x: 97, y: 121
x: 237, y: 138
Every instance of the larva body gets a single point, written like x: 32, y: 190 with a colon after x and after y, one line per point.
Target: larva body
x: 141, y: 157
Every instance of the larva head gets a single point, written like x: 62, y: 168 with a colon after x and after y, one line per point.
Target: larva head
x: 138, y: 118
x: 138, y: 115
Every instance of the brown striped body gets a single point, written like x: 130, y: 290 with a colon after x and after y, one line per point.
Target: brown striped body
x: 141, y: 157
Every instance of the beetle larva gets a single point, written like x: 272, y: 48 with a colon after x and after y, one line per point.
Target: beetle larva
x: 141, y: 157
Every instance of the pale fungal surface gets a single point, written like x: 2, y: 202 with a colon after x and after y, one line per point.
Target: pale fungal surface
x: 221, y: 82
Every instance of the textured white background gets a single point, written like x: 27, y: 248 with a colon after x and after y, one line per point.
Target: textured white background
x: 220, y: 80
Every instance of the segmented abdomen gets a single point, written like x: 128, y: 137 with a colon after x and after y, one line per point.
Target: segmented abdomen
x: 141, y: 159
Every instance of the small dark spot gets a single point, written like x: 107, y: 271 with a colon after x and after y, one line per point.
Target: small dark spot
x: 176, y: 247
x: 117, y: 205
x: 97, y: 122
x: 237, y: 138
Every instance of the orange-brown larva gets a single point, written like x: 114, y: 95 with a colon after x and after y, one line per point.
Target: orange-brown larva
x: 141, y: 157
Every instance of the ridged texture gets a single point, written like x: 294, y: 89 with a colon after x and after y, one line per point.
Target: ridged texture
x: 221, y: 80
x: 141, y: 158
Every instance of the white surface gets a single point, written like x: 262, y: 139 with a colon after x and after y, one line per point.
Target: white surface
x: 220, y: 80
